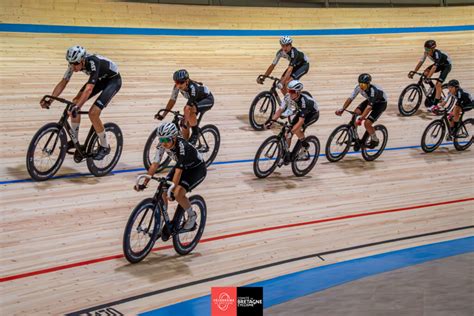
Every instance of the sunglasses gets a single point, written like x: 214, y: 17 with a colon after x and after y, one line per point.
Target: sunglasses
x: 165, y: 140
x: 75, y: 64
x: 292, y: 91
x: 179, y: 82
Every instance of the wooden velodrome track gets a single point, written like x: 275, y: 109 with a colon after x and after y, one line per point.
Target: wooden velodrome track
x: 61, y: 239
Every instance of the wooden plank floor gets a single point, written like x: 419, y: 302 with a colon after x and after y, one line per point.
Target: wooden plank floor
x: 65, y: 221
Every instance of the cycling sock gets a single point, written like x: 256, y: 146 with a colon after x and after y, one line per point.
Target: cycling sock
x: 190, y: 211
x: 374, y: 137
x: 103, y: 139
x: 75, y: 129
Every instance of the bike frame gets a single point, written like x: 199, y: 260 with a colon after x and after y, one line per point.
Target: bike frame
x: 63, y: 122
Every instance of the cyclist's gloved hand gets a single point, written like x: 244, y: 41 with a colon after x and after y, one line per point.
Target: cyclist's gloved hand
x: 427, y: 80
x: 171, y: 197
x: 269, y: 125
x: 260, y: 79
x: 45, y: 103
x: 159, y: 117
x: 339, y: 112
x: 280, y: 85
x: 139, y: 187
x: 411, y: 74
x: 359, y: 121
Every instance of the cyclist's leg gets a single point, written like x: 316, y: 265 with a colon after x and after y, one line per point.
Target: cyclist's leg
x: 361, y: 107
x: 439, y: 83
x: 190, y: 179
x: 308, y: 121
x: 454, y: 123
x: 377, y: 110
x: 201, y: 107
x: 190, y: 112
x: 300, y: 72
x: 109, y: 89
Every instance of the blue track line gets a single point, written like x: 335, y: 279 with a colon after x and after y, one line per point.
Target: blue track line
x: 63, y: 29
x: 230, y: 162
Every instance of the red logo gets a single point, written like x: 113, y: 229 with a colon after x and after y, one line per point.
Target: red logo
x: 223, y: 301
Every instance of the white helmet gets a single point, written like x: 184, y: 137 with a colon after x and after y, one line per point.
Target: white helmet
x: 167, y: 130
x: 285, y: 40
x: 75, y: 54
x: 295, y: 85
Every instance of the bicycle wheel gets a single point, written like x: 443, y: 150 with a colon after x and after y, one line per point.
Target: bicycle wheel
x: 433, y: 136
x: 149, y: 152
x: 46, y: 152
x: 184, y: 241
x: 267, y: 157
x: 208, y: 143
x: 141, y: 230
x: 464, y: 135
x: 261, y: 110
x: 114, y: 136
x: 306, y: 159
x: 409, y: 100
x: 370, y: 154
x: 338, y: 143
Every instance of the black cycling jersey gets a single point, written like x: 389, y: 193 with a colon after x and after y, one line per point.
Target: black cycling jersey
x: 463, y: 98
x: 185, y: 154
x: 195, y: 92
x: 439, y: 58
x: 374, y: 94
x: 97, y: 67
x: 295, y: 57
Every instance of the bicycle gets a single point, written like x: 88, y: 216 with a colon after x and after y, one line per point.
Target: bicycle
x: 434, y: 133
x: 208, y: 142
x: 346, y: 136
x: 275, y: 148
x: 48, y: 147
x: 150, y: 221
x: 414, y: 93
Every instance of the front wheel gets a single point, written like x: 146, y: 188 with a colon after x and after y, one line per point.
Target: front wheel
x: 409, y: 100
x: 306, y: 158
x: 338, y: 143
x: 267, y: 157
x: 151, y: 145
x: 370, y: 154
x: 433, y: 136
x: 184, y: 241
x: 261, y: 110
x: 208, y: 143
x: 464, y: 135
x: 46, y: 152
x: 141, y: 230
x: 114, y: 136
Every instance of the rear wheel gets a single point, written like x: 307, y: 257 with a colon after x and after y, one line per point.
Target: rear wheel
x: 141, y: 231
x: 338, y: 143
x: 184, y: 241
x: 114, y: 136
x: 46, y: 152
x: 261, y: 110
x: 306, y: 158
x: 464, y: 135
x: 409, y: 100
x: 433, y: 136
x: 149, y: 153
x: 267, y: 157
x: 370, y: 154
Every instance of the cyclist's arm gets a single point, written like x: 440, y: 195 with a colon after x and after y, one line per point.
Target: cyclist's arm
x: 269, y: 70
x: 418, y: 66
x: 169, y: 107
x: 154, y: 166
x: 277, y: 114
x: 298, y: 125
x: 60, y: 87
x: 347, y: 103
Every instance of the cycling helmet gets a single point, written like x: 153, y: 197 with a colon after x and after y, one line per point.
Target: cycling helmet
x: 295, y: 85
x: 167, y: 130
x: 180, y: 75
x: 430, y: 44
x: 75, y: 54
x: 285, y: 40
x: 365, y: 78
x: 453, y: 83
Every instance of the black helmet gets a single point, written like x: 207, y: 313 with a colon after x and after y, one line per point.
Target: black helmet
x: 180, y: 75
x: 365, y: 78
x: 453, y: 83
x: 430, y: 44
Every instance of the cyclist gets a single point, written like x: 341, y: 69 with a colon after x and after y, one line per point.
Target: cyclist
x: 189, y: 171
x: 104, y: 77
x: 464, y: 102
x: 200, y: 100
x: 306, y: 113
x: 441, y: 63
x: 297, y: 68
x: 375, y: 103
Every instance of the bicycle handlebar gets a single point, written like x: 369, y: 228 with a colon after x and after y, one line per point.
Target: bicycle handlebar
x: 269, y: 77
x: 48, y: 98
x: 422, y: 75
x: 176, y: 113
x: 160, y: 180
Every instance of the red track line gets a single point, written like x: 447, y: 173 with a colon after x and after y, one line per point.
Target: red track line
x: 331, y: 219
